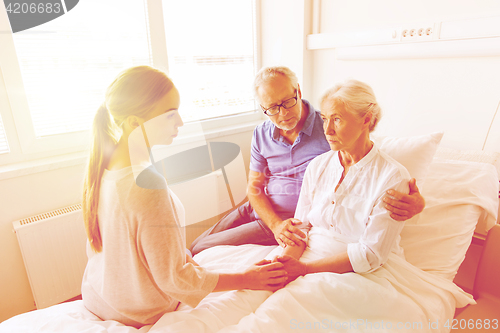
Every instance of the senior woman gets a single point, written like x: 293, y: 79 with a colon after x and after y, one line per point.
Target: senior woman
x: 342, y: 194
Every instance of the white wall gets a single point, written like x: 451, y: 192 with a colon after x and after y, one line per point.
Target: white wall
x: 457, y: 95
x: 21, y: 197
x: 284, y: 27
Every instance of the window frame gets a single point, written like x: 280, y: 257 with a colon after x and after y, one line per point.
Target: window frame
x: 18, y: 125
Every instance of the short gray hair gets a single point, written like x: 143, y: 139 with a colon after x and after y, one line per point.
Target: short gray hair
x: 357, y: 97
x: 268, y: 73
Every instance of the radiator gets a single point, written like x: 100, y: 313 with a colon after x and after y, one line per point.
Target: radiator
x: 53, y: 250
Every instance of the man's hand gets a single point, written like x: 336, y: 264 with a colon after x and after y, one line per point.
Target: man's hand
x: 405, y: 206
x: 287, y: 232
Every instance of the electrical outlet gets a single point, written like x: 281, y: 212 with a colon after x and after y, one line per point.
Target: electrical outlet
x: 419, y: 32
x: 426, y: 33
x: 408, y: 34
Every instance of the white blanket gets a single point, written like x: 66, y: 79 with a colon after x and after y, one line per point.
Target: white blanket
x: 71, y: 317
x: 396, y: 297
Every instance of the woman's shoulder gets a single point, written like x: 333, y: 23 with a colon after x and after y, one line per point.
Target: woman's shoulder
x: 136, y: 179
x: 390, y: 165
x: 151, y: 179
x: 320, y: 162
x: 323, y: 158
x: 138, y: 188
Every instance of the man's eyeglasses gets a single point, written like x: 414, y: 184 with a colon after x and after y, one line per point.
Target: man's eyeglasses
x: 274, y: 110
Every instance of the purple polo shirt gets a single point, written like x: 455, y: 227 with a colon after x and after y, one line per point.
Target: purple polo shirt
x: 285, y: 164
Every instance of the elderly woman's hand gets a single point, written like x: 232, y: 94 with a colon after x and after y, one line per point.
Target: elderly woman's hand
x: 405, y: 206
x: 265, y: 275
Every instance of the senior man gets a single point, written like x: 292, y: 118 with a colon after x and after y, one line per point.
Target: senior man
x: 282, y: 147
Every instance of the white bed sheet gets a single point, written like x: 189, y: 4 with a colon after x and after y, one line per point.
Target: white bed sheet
x: 396, y: 297
x: 70, y: 317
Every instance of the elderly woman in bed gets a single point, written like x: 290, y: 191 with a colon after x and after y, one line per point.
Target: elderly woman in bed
x: 342, y: 194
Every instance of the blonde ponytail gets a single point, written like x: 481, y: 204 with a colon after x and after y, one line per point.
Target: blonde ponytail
x: 105, y: 136
x: 135, y: 91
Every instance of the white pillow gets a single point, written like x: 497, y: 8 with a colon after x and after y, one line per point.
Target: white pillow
x: 485, y: 223
x: 489, y: 157
x: 456, y: 194
x: 414, y: 153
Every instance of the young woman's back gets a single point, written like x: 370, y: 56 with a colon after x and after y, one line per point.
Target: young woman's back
x: 143, y: 254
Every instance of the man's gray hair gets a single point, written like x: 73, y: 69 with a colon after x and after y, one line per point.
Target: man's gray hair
x: 357, y: 97
x: 268, y: 73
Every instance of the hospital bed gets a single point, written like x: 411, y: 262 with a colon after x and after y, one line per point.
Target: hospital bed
x: 461, y: 189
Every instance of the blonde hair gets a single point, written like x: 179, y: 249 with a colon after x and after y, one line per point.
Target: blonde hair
x: 268, y: 73
x: 356, y: 97
x: 135, y: 91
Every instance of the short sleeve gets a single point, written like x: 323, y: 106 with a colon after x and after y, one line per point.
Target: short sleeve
x: 258, y: 162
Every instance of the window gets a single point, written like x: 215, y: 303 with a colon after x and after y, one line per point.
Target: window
x: 63, y: 67
x: 212, y: 61
x: 66, y: 63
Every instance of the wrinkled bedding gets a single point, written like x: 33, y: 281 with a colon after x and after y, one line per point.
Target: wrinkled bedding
x: 395, y: 297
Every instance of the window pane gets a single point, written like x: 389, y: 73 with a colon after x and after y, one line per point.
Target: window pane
x: 67, y: 63
x: 210, y: 46
x: 4, y: 145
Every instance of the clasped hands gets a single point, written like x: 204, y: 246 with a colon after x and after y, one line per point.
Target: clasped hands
x: 291, y: 232
x: 275, y: 274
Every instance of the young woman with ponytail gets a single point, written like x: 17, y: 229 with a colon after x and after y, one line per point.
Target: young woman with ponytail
x: 137, y: 268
